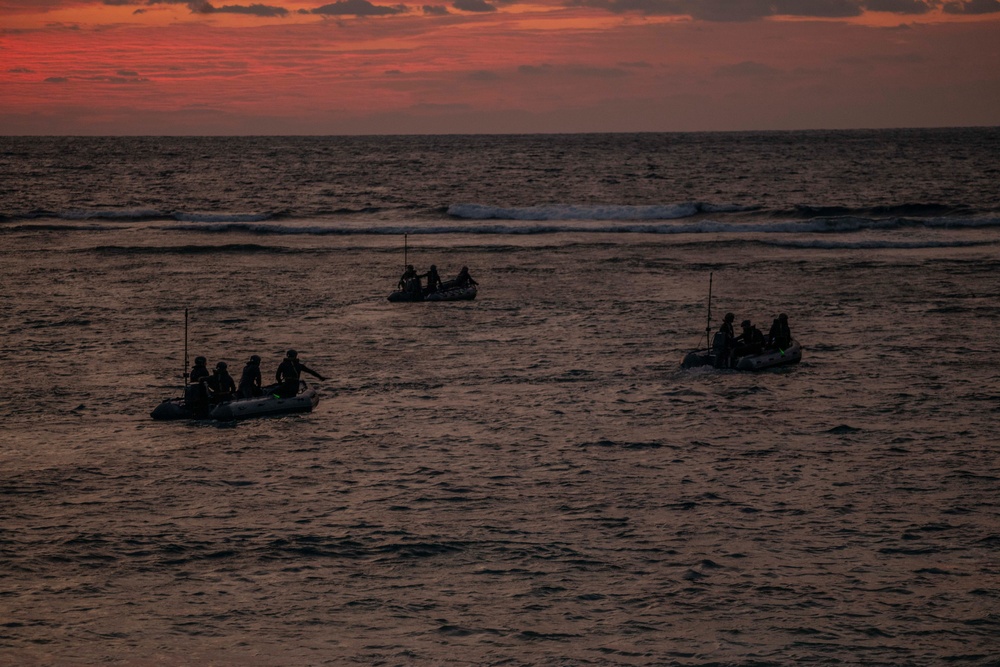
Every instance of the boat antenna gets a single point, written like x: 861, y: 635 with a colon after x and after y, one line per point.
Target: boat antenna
x: 708, y: 323
x: 185, y: 373
x: 404, y: 252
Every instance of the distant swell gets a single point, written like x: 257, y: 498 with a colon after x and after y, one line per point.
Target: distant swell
x: 143, y: 215
x: 877, y: 244
x: 514, y: 227
x: 693, y: 218
x: 215, y: 217
x: 888, y: 211
x: 582, y: 212
x: 235, y: 248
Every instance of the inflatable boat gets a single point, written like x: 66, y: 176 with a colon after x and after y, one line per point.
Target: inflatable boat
x: 269, y: 404
x: 769, y: 358
x: 467, y: 293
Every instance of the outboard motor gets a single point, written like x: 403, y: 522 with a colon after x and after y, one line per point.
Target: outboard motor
x: 196, y: 399
x: 720, y: 342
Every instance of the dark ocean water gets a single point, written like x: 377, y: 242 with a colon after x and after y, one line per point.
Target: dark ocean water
x: 529, y: 478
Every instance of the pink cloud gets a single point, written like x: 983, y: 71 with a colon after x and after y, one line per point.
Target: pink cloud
x: 477, y: 71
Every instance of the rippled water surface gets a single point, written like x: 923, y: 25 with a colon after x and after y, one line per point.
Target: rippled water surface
x: 529, y: 478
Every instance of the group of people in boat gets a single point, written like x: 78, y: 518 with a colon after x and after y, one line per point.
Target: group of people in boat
x: 205, y: 388
x: 411, y: 281
x: 727, y: 346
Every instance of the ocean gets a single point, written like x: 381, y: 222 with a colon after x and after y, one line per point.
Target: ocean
x: 529, y: 478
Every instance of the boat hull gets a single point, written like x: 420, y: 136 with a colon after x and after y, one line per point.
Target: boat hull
x: 400, y: 296
x: 267, y: 405
x: 453, y: 294
x: 770, y: 358
x: 449, y: 294
x: 171, y: 409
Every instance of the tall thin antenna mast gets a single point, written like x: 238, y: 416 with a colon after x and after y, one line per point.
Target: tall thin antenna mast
x: 185, y: 373
x: 708, y: 324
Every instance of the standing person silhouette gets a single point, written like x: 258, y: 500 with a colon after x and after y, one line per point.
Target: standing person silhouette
x: 751, y: 341
x: 433, y: 280
x: 722, y: 344
x: 199, y: 371
x: 250, y: 380
x: 409, y: 274
x: 463, y: 279
x: 289, y: 373
x: 780, y: 335
x: 221, y: 383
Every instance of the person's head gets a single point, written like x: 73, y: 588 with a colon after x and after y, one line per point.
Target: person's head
x: 254, y: 359
x: 433, y: 268
x: 783, y: 317
x: 292, y: 354
x: 465, y: 269
x: 730, y: 317
x: 745, y: 324
x: 200, y: 361
x: 221, y: 366
x: 409, y: 267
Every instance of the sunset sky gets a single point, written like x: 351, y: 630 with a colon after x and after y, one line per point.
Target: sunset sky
x: 365, y: 66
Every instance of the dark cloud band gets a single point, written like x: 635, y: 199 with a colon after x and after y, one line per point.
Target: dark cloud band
x: 359, y: 8
x: 751, y: 10
x: 205, y: 7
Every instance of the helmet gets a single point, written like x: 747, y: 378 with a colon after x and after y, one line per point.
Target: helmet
x: 221, y: 366
x: 200, y: 361
x: 745, y: 323
x: 291, y: 354
x: 254, y: 359
x: 730, y: 317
